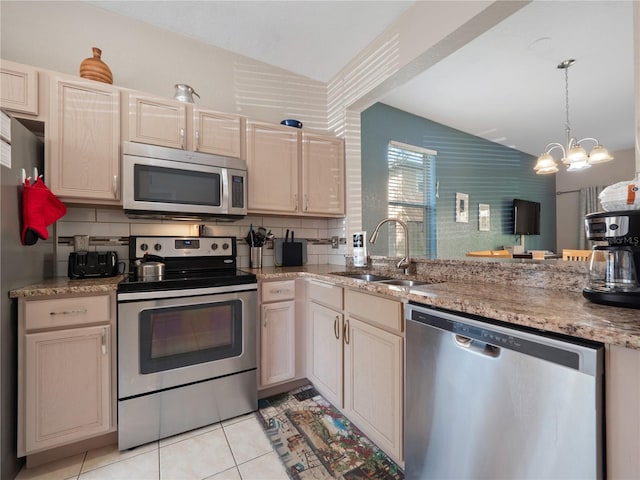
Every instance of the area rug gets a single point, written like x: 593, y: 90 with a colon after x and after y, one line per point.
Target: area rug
x: 315, y: 441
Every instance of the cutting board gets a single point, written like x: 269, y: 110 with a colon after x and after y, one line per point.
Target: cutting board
x: 277, y: 245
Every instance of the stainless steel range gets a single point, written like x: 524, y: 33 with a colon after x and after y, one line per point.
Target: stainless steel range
x: 186, y: 339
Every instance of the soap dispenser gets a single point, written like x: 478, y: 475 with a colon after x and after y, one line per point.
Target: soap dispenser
x: 360, y: 249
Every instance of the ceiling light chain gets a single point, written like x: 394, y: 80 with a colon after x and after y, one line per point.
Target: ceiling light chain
x: 574, y: 156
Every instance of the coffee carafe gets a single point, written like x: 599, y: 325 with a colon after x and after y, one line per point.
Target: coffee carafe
x: 614, y: 270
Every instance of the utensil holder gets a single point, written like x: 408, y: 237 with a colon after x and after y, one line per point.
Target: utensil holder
x: 255, y: 257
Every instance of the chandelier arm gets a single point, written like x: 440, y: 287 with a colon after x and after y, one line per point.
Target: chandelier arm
x: 595, y: 140
x: 554, y: 146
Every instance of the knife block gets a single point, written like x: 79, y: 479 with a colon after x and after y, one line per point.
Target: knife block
x: 291, y: 254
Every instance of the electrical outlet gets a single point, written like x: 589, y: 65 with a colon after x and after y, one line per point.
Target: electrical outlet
x: 334, y: 242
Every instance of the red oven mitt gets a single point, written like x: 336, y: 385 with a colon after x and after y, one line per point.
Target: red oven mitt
x: 40, y: 208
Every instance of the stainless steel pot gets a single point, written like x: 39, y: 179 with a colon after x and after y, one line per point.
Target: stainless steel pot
x: 184, y: 93
x: 150, y: 268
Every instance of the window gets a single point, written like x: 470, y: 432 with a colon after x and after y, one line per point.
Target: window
x: 412, y: 198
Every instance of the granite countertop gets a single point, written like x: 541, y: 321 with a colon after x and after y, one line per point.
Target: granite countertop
x: 550, y: 309
x: 64, y: 285
x: 565, y: 312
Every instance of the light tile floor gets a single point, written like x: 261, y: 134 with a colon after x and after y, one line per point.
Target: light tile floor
x: 236, y: 449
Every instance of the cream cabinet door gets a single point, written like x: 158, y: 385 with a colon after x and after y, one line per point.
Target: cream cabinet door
x: 19, y: 87
x: 272, y: 162
x: 277, y: 343
x: 324, y: 352
x: 323, y: 180
x: 157, y: 121
x: 218, y: 133
x: 84, y: 142
x: 68, y: 386
x: 373, y: 384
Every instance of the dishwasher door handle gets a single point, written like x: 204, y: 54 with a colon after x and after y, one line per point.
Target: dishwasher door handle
x: 476, y: 346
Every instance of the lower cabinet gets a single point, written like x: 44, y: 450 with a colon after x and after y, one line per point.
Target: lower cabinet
x: 355, y: 359
x: 66, y: 370
x: 325, y: 351
x: 277, y: 332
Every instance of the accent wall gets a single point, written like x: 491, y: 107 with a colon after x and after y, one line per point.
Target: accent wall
x: 489, y: 173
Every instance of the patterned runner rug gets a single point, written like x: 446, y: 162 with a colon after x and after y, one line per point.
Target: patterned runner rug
x: 315, y: 441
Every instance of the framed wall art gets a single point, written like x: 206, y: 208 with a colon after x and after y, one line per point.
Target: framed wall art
x: 462, y: 207
x: 484, y: 217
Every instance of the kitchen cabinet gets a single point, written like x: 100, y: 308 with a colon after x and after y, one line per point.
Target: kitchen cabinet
x: 272, y: 162
x: 323, y: 181
x: 355, y: 359
x: 374, y: 369
x: 217, y: 133
x: 83, y: 161
x: 277, y: 332
x: 157, y: 121
x: 174, y: 124
x: 622, y: 392
x: 18, y: 87
x: 293, y: 172
x: 66, y: 370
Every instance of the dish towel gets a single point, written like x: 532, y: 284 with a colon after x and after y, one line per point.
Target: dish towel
x: 40, y: 208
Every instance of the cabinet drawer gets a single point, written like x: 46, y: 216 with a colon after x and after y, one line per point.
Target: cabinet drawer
x: 325, y: 294
x: 277, y: 291
x: 59, y: 312
x: 375, y: 310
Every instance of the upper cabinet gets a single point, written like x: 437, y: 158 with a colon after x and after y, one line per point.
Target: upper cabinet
x: 170, y: 123
x: 293, y: 172
x: 273, y: 155
x: 218, y: 133
x: 84, y: 142
x: 19, y: 87
x: 156, y: 121
x: 322, y: 175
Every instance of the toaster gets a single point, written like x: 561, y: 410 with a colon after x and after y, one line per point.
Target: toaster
x: 93, y: 264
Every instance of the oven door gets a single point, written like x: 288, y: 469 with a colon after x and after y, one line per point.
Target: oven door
x: 183, y: 337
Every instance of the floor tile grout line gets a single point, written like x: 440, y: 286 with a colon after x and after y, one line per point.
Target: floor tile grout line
x: 116, y: 461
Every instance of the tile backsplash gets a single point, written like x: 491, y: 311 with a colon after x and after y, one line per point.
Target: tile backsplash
x: 109, y: 229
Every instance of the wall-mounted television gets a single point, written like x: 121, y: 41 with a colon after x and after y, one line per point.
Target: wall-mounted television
x: 526, y: 217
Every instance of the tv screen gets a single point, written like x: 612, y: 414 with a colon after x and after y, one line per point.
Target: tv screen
x: 526, y: 217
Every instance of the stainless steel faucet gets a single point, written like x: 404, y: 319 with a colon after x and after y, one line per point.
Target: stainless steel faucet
x: 404, y: 262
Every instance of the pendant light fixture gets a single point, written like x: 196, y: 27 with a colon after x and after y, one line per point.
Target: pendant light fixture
x: 574, y: 156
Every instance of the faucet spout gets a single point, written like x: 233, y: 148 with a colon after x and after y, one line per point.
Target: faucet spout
x: 405, y: 261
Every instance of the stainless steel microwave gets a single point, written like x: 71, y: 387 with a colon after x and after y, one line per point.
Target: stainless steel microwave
x: 161, y: 182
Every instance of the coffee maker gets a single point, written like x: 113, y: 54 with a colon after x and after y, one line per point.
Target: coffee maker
x: 615, y: 267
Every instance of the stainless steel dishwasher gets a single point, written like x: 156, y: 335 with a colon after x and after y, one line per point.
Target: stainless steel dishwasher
x: 486, y: 401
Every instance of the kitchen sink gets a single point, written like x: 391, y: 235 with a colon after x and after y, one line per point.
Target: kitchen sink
x: 369, y: 277
x: 402, y: 283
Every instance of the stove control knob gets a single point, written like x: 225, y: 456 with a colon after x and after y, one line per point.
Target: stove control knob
x: 157, y: 247
x: 225, y: 246
x: 214, y: 246
x: 144, y: 247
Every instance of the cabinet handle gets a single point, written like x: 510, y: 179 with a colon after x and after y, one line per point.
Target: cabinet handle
x: 295, y: 199
x: 346, y: 331
x: 70, y: 312
x: 266, y: 315
x: 182, y: 138
x: 197, y: 140
x: 336, y: 329
x: 104, y: 341
x: 306, y: 203
x: 115, y: 186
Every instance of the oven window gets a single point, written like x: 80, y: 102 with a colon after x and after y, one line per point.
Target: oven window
x: 176, y: 337
x: 173, y: 185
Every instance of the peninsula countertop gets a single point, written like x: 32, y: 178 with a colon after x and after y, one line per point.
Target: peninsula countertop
x: 547, y: 309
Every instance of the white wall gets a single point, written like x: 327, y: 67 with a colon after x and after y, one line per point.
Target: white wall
x: 59, y: 35
x: 569, y: 183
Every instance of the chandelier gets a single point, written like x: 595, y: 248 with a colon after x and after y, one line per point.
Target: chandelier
x: 574, y: 156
